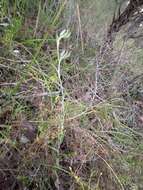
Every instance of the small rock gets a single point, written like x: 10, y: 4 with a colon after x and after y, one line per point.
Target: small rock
x: 23, y: 139
x: 28, y: 131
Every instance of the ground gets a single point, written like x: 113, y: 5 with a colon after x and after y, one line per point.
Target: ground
x: 71, y: 103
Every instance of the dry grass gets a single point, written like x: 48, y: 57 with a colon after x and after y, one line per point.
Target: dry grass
x: 68, y: 119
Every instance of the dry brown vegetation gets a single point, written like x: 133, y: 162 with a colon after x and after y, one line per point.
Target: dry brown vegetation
x: 71, y: 95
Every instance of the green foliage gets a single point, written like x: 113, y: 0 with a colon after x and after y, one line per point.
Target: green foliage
x: 11, y: 32
x: 47, y: 82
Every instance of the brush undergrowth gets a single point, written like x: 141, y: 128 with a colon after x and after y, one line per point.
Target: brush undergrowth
x: 65, y: 121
